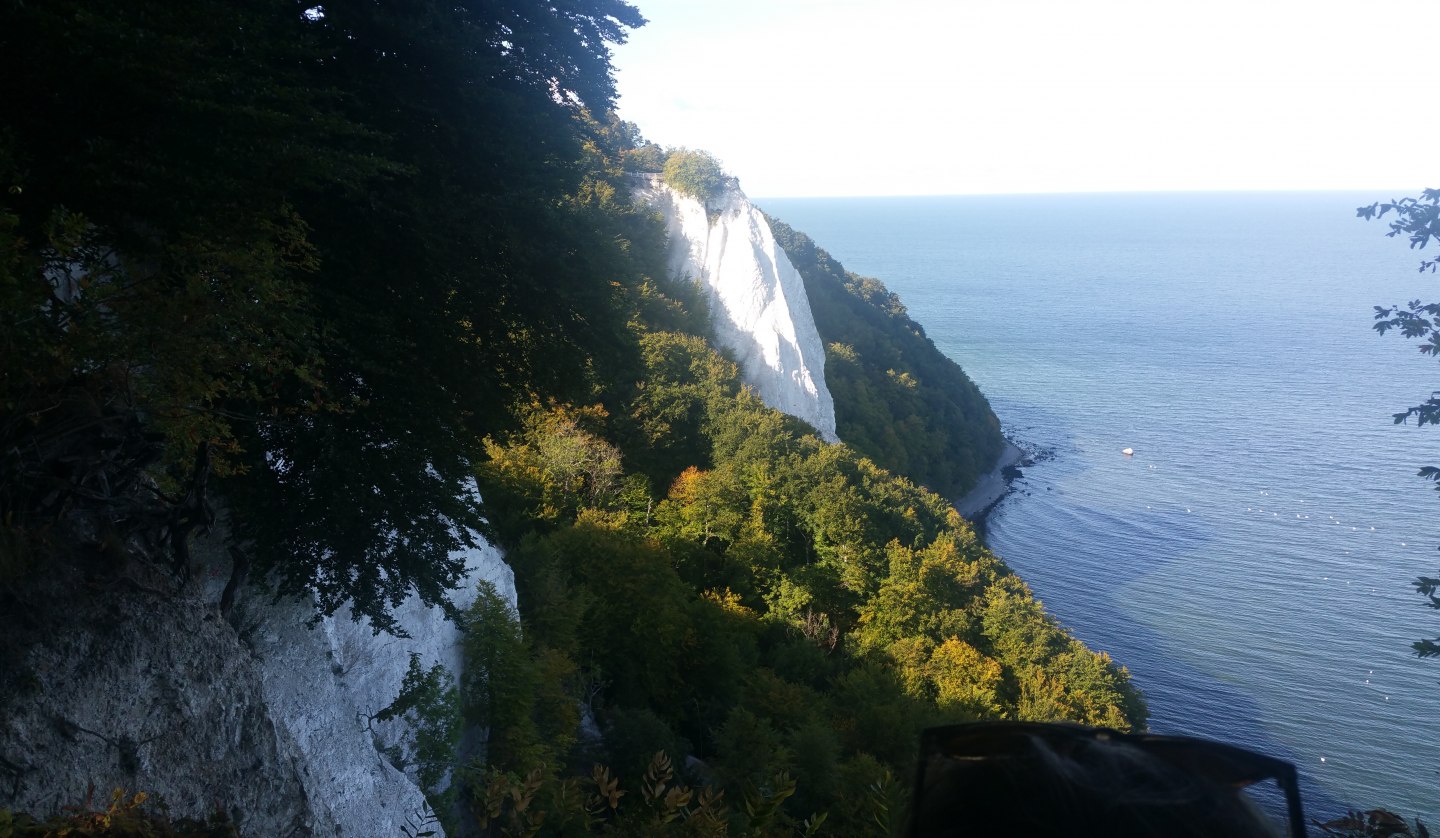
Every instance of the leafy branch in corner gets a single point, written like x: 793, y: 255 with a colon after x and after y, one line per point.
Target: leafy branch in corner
x: 1418, y: 219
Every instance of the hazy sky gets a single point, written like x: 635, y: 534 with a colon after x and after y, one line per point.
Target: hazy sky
x: 912, y: 97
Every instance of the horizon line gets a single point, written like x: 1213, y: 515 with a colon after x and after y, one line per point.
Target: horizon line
x: 1395, y: 193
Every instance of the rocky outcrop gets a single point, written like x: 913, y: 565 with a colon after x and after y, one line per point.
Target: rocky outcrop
x: 123, y: 685
x: 757, y: 299
x: 113, y: 686
x: 322, y: 685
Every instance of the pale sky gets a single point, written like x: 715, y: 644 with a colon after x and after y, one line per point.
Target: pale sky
x: 924, y: 97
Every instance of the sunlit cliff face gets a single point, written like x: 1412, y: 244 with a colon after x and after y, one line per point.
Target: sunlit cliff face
x: 757, y: 299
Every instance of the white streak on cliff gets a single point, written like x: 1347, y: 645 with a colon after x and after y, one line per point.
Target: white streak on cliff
x: 322, y: 686
x: 757, y: 299
x: 148, y: 690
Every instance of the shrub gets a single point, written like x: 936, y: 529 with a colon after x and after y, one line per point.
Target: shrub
x: 695, y: 173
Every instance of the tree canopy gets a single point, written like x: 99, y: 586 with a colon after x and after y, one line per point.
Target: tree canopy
x: 777, y: 605
x: 695, y: 173
x: 336, y: 244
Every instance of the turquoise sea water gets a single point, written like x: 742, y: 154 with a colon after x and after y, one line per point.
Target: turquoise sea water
x: 1251, y: 562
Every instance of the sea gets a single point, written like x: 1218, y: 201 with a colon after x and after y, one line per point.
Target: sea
x: 1252, y: 562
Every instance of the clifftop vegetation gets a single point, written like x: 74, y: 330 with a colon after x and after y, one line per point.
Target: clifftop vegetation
x: 695, y: 173
x: 333, y: 265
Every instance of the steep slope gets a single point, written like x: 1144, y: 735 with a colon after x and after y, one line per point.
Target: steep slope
x: 757, y: 299
x: 898, y: 399
x: 137, y: 690
x: 322, y: 685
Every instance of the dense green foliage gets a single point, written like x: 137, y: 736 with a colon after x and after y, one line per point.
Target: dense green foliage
x: 783, y: 606
x: 695, y: 173
x: 336, y: 244
x: 898, y: 400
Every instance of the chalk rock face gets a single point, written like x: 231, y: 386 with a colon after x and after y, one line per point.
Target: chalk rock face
x: 322, y: 685
x: 757, y: 298
x: 145, y: 693
x: 155, y: 693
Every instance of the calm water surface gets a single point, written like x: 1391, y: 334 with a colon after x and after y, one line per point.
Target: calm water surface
x: 1250, y: 563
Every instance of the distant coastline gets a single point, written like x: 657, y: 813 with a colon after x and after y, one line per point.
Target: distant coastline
x: 992, y: 486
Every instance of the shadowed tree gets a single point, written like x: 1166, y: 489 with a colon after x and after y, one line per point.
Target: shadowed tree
x: 335, y: 241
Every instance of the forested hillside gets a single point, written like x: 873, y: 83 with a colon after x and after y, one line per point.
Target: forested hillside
x: 785, y: 610
x: 329, y: 265
x: 898, y: 400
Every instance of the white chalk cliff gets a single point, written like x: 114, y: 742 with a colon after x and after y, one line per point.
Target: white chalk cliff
x: 757, y: 298
x: 322, y: 685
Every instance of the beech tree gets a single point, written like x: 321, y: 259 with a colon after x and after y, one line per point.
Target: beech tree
x: 333, y: 241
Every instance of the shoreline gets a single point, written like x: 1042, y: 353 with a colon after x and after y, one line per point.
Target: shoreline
x: 992, y: 486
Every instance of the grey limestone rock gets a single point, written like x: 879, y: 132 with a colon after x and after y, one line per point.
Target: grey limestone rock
x: 109, y: 680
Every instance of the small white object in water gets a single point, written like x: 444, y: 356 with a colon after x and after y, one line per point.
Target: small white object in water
x: 1322, y: 759
x: 1128, y: 451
